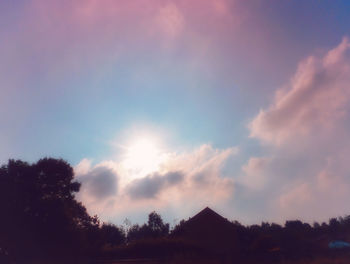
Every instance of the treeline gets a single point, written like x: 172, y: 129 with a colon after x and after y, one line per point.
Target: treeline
x: 267, y: 235
x: 269, y: 242
x: 42, y: 220
x: 265, y: 243
x: 121, y: 235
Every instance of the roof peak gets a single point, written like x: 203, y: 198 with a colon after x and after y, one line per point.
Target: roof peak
x: 207, y: 211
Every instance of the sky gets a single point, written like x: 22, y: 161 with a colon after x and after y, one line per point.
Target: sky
x: 175, y: 105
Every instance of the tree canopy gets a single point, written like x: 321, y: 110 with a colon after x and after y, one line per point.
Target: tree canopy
x: 40, y: 214
x: 154, y: 228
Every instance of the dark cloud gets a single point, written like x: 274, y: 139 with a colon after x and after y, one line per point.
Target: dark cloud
x: 100, y: 182
x: 149, y: 186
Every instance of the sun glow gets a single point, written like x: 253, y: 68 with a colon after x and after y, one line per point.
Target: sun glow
x: 143, y: 156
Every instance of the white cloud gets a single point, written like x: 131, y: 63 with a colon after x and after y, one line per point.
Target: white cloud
x: 195, y: 176
x: 82, y: 167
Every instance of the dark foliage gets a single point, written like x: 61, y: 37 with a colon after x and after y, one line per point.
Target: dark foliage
x: 155, y: 228
x: 112, y: 235
x: 265, y: 243
x: 40, y: 216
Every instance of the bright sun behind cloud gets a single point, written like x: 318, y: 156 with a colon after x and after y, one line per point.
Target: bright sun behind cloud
x: 142, y: 155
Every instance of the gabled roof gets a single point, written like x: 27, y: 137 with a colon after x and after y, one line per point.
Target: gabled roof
x: 208, y: 214
x: 208, y: 228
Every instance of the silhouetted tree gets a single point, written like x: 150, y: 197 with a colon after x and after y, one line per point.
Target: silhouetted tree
x: 135, y: 233
x: 112, y: 235
x: 154, y: 228
x: 156, y: 225
x: 40, y: 216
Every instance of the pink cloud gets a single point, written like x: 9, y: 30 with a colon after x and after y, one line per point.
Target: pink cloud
x: 318, y: 188
x: 297, y: 197
x: 314, y: 100
x: 306, y: 176
x: 316, y: 197
x: 254, y: 172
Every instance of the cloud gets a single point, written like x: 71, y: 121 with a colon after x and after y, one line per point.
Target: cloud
x: 307, y: 180
x: 148, y: 187
x: 83, y: 167
x: 183, y: 176
x: 296, y: 197
x: 255, y: 165
x: 98, y: 183
x: 315, y: 100
x: 317, y: 197
x: 254, y: 172
x: 303, y: 170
